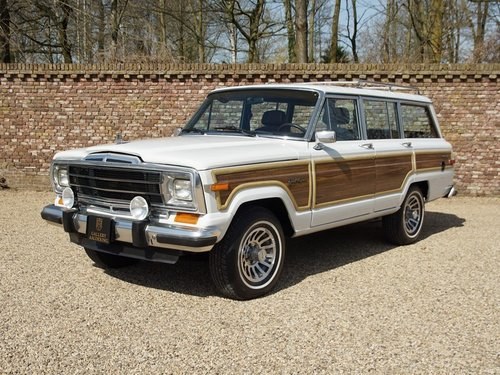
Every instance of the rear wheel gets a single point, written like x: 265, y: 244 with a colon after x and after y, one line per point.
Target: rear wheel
x: 404, y: 226
x: 105, y: 260
x: 247, y: 263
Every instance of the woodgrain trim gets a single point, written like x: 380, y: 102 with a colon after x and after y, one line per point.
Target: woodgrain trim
x: 431, y: 160
x: 353, y: 179
x: 293, y: 177
x: 392, y: 170
x: 343, y: 179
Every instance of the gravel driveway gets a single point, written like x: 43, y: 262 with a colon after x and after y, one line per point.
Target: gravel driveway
x: 347, y: 303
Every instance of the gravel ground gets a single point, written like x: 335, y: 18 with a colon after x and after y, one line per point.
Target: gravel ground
x: 347, y: 303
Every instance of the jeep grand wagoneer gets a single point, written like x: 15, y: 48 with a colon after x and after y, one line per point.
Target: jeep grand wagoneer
x: 255, y: 165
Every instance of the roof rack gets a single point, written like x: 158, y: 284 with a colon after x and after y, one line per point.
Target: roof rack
x: 364, y: 84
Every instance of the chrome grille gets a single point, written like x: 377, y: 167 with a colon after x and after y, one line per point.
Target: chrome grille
x: 97, y: 184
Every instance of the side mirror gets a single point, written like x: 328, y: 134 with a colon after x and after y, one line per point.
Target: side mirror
x: 177, y: 132
x: 327, y: 136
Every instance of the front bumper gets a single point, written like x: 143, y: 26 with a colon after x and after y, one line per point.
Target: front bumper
x: 133, y: 234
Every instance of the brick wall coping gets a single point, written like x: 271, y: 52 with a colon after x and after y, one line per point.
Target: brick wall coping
x: 306, y: 71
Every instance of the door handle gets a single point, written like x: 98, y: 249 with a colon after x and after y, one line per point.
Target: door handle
x: 406, y: 144
x: 367, y: 146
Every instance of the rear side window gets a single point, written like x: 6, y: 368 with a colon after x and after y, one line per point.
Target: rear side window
x: 417, y: 122
x: 380, y: 118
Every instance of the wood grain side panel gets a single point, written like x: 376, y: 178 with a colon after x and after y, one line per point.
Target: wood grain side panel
x: 392, y: 171
x: 432, y: 160
x: 344, y: 179
x: 294, y: 177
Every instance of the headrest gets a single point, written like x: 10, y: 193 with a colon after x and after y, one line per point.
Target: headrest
x: 273, y: 118
x: 340, y: 116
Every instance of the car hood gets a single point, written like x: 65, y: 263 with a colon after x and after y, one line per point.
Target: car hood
x: 198, y: 151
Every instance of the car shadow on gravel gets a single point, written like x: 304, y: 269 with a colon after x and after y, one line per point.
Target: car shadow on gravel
x: 306, y: 256
x: 324, y: 251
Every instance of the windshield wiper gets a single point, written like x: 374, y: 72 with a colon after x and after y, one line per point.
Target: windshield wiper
x: 234, y: 129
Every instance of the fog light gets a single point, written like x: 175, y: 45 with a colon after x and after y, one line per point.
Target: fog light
x: 139, y: 208
x: 68, y: 198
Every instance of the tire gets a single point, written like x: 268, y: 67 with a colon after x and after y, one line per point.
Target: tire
x: 248, y: 261
x: 105, y: 260
x: 404, y: 226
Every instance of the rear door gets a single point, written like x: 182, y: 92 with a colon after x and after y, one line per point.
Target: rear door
x: 393, y: 155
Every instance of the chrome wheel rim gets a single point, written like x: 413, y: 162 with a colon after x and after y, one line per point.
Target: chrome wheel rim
x: 413, y: 215
x: 259, y: 253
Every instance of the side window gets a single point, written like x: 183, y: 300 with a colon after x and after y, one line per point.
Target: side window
x: 380, y: 119
x: 417, y: 122
x: 340, y: 115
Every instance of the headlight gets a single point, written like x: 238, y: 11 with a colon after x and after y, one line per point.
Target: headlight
x: 182, y: 190
x: 60, y: 177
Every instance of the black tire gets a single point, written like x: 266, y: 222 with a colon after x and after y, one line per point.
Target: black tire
x: 404, y: 226
x: 248, y: 261
x: 105, y: 260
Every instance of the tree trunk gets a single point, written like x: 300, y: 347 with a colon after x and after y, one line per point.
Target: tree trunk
x: 312, y: 31
x: 290, y: 31
x: 301, y: 30
x: 355, y: 32
x: 436, y: 30
x: 334, y: 44
x: 63, y: 32
x: 255, y: 18
x: 481, y: 17
x: 102, y: 28
x: 201, y: 32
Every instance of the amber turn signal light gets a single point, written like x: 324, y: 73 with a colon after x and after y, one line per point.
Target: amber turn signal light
x: 221, y: 186
x: 186, y: 218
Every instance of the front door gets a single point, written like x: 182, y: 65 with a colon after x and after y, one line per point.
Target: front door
x: 344, y: 171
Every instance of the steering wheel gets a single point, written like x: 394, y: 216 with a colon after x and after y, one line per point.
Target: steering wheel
x: 290, y: 125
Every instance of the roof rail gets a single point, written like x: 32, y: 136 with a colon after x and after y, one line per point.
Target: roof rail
x: 364, y: 84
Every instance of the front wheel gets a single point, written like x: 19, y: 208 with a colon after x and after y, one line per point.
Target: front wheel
x: 247, y: 263
x: 403, y: 227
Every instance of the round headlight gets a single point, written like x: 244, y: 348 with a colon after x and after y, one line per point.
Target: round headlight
x: 68, y: 197
x: 139, y: 208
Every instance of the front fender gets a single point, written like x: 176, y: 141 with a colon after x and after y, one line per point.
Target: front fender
x: 300, y: 218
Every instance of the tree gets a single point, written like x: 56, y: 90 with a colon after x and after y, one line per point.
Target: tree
x: 334, y: 44
x: 5, y: 55
x: 301, y: 31
x: 353, y: 35
x: 478, y: 30
x: 290, y: 31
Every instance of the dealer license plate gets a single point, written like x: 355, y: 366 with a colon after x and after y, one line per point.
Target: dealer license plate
x: 99, y: 229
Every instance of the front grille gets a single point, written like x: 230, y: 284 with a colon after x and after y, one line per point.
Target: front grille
x: 94, y: 184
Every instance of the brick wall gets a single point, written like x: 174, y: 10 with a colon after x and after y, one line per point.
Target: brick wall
x: 47, y: 108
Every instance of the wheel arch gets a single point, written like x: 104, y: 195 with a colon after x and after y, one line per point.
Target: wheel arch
x: 423, y: 186
x: 277, y: 207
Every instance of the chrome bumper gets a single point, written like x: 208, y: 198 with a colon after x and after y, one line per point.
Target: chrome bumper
x: 138, y: 234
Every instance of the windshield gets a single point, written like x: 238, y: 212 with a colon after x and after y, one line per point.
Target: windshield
x: 274, y: 112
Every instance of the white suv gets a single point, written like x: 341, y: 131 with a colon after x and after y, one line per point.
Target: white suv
x: 255, y: 165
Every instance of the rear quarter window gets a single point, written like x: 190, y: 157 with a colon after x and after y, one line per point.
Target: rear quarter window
x: 417, y: 122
